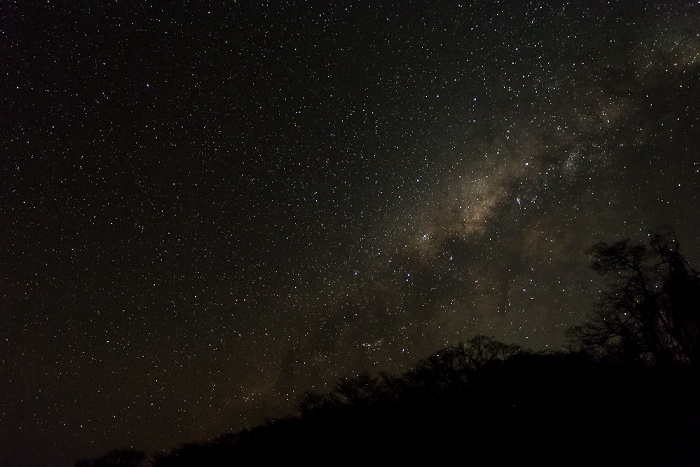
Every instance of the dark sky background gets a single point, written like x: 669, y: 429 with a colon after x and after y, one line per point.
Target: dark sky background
x: 208, y: 208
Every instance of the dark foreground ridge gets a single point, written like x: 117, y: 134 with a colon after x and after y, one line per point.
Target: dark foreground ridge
x: 563, y: 408
x: 626, y: 393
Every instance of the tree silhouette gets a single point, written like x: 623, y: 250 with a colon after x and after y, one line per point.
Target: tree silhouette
x: 361, y: 390
x: 651, y: 310
x: 312, y: 403
x: 596, y: 406
x: 483, y: 351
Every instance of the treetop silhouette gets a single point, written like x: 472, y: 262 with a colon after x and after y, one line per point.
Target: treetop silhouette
x: 650, y: 312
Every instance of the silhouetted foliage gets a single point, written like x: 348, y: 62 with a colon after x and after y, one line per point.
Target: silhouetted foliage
x: 454, y: 367
x: 486, y: 402
x: 362, y: 390
x: 651, y: 311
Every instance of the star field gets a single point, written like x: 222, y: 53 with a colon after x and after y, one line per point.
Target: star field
x: 211, y: 207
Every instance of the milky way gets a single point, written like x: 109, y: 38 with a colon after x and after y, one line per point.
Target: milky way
x: 208, y: 210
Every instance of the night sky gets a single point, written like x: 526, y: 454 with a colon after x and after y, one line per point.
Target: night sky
x: 208, y: 208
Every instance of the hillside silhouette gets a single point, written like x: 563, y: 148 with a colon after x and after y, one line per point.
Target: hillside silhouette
x: 625, y: 393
